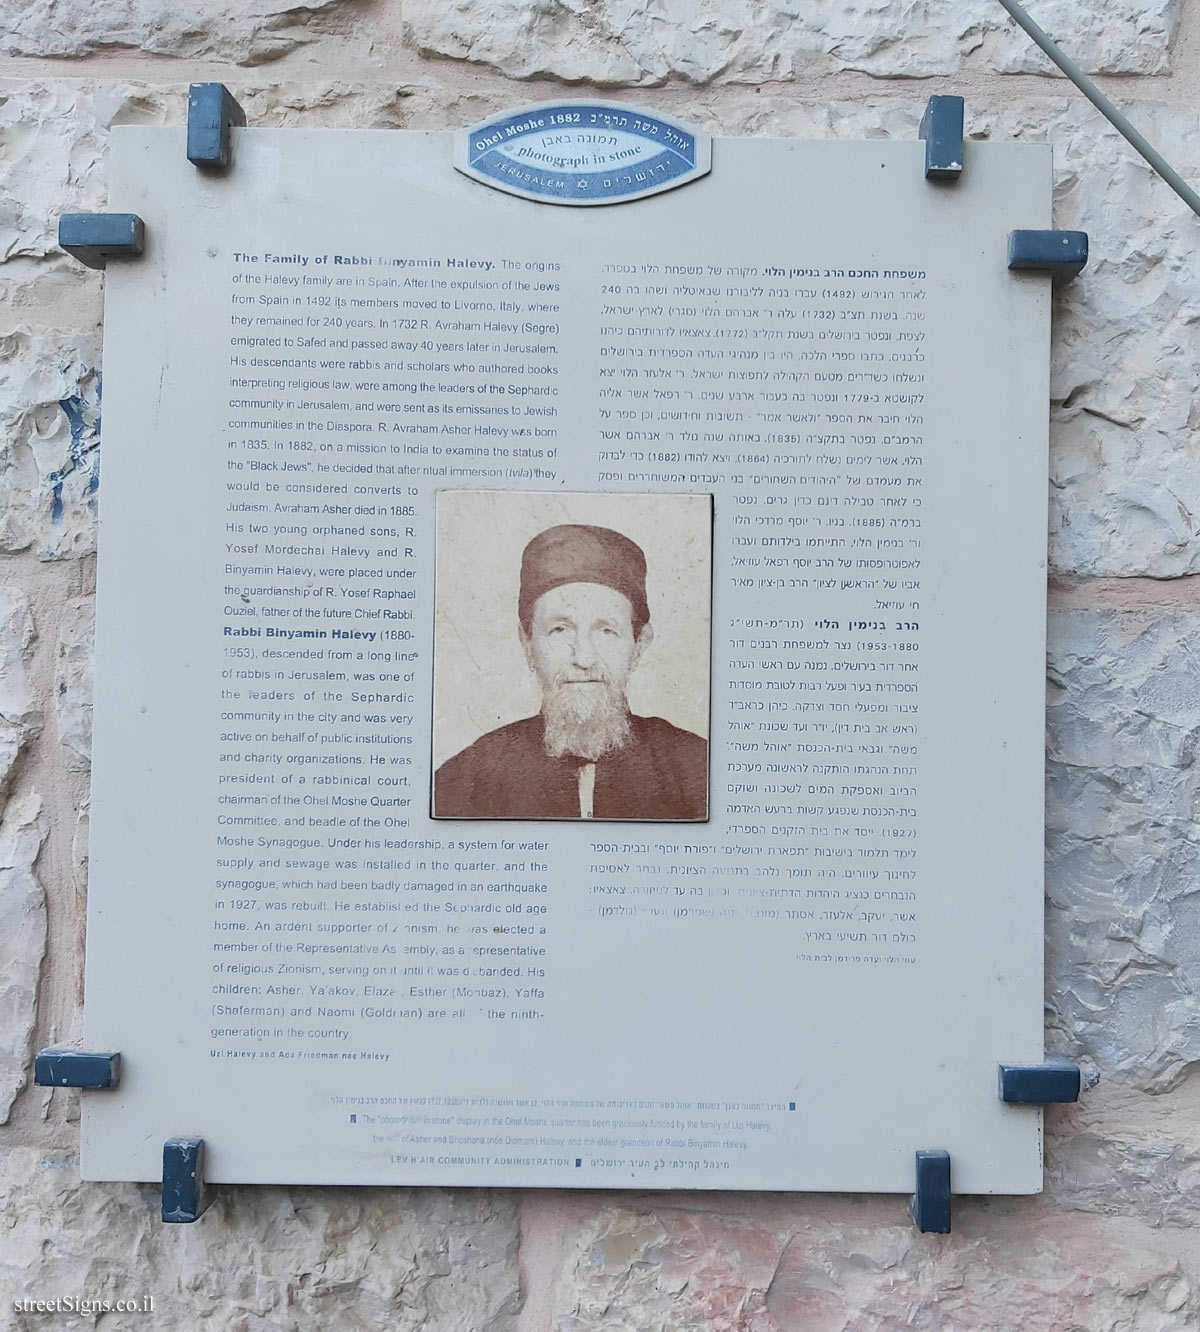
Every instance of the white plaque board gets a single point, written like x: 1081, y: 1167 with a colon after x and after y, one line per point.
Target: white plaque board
x: 793, y: 986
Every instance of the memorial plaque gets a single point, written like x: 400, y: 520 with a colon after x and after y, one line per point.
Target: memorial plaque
x: 570, y: 680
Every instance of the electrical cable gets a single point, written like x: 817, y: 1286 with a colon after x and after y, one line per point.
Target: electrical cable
x: 1116, y: 118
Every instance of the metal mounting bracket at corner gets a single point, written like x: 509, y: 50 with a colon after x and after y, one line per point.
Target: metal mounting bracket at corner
x: 1056, y: 1082
x: 942, y: 130
x: 929, y: 1206
x: 1062, y: 254
x: 95, y: 238
x: 213, y: 111
x: 185, y: 1196
x: 62, y: 1066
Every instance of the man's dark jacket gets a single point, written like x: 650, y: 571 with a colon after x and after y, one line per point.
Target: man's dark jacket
x: 662, y: 773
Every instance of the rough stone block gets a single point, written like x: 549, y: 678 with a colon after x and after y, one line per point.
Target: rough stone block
x: 22, y: 942
x: 1120, y: 1152
x: 745, y: 41
x: 53, y: 138
x: 1123, y: 846
x: 49, y: 458
x: 340, y: 1259
x: 1125, y: 494
x: 73, y: 681
x: 53, y: 154
x: 79, y: 857
x: 41, y: 150
x: 20, y: 711
x: 663, y: 1270
x: 245, y: 33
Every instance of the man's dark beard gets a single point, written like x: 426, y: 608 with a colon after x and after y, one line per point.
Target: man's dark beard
x: 584, y: 720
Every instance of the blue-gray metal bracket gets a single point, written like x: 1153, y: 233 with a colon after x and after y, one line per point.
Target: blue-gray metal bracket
x: 212, y: 112
x: 184, y: 1195
x: 942, y: 130
x: 1055, y: 1082
x: 1062, y: 254
x: 60, y: 1066
x: 929, y: 1206
x: 95, y: 238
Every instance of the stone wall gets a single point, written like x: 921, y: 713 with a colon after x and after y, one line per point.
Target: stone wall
x: 1111, y: 1244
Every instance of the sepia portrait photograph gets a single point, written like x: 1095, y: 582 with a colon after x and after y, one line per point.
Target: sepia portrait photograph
x: 571, y: 656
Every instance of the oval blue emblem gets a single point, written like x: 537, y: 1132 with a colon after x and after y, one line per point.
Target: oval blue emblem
x: 582, y: 152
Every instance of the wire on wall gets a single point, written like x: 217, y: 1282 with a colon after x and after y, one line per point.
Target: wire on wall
x: 1119, y: 121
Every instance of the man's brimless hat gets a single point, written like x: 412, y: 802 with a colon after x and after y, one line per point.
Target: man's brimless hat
x: 574, y: 553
